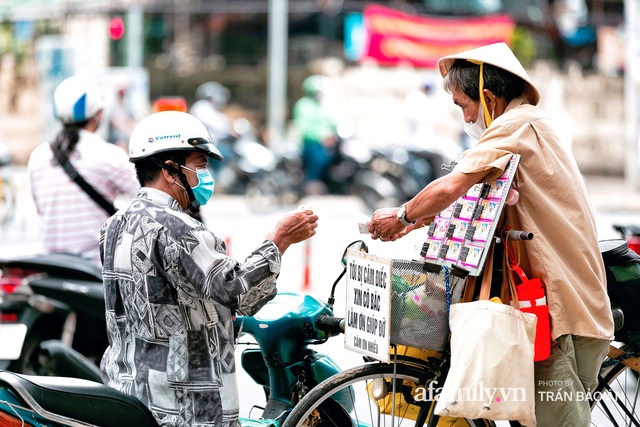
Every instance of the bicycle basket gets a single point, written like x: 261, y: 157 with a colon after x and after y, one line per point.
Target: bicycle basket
x: 419, y: 315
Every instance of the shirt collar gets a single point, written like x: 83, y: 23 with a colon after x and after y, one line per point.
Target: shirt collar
x: 516, y: 102
x: 159, y: 197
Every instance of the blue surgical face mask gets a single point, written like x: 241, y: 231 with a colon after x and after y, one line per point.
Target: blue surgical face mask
x: 204, y: 190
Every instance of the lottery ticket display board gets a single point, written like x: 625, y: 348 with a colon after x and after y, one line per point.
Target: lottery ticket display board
x: 461, y: 234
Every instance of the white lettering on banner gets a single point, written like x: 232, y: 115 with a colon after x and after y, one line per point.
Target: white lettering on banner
x: 368, y: 305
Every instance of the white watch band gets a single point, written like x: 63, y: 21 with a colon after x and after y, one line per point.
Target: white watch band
x: 402, y: 216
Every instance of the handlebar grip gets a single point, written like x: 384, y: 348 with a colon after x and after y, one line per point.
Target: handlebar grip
x: 327, y: 323
x: 519, y: 235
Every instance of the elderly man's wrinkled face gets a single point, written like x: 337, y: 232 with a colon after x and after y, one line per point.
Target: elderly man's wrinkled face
x: 474, y: 123
x: 469, y: 107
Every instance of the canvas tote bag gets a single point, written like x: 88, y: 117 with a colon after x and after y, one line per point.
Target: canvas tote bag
x: 491, y: 374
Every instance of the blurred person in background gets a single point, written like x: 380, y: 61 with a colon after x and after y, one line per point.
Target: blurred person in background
x: 431, y: 126
x: 70, y: 218
x: 421, y: 111
x: 171, y: 291
x: 318, y: 132
x: 211, y: 100
x: 121, y: 120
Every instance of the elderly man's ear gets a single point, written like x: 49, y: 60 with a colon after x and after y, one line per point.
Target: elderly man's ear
x: 495, y: 105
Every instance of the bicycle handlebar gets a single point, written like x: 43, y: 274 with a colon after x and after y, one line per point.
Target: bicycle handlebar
x: 518, y: 235
x: 327, y: 323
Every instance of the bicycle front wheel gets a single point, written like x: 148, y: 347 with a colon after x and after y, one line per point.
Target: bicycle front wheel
x: 616, y: 399
x: 364, y: 396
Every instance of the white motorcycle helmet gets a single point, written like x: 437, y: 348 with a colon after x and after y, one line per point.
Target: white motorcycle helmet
x: 170, y: 131
x: 215, y: 92
x: 77, y: 99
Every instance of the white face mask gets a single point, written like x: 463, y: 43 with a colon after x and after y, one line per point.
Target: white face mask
x: 477, y: 128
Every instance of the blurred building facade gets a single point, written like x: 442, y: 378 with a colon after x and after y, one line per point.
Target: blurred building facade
x: 200, y: 38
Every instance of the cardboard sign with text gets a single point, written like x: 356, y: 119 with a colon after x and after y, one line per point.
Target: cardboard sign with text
x: 368, y: 307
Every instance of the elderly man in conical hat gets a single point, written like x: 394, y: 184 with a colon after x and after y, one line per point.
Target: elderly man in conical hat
x: 499, y: 104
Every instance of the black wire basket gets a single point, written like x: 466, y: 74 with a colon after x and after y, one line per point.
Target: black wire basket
x: 419, y: 303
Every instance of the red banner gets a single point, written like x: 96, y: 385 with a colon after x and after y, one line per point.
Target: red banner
x: 394, y: 37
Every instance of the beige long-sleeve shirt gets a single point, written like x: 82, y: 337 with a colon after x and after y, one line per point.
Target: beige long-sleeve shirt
x: 554, y: 205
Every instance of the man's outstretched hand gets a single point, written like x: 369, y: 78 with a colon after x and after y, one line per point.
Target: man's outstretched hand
x: 294, y: 227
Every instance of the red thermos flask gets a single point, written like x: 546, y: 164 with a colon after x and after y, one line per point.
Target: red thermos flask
x: 532, y: 298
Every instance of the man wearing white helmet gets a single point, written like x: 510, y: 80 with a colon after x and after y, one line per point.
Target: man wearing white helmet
x: 170, y: 289
x: 498, y: 101
x: 70, y: 218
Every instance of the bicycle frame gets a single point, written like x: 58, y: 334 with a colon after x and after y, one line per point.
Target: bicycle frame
x: 418, y: 373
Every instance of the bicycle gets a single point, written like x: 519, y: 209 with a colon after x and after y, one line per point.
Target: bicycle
x: 404, y: 393
x: 615, y: 400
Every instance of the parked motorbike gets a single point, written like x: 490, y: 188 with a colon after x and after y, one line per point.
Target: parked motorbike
x: 386, y: 175
x: 288, y: 176
x: 50, y: 296
x: 408, y: 169
x: 630, y: 233
x: 266, y: 177
x: 286, y: 368
x: 351, y: 172
x: 247, y: 161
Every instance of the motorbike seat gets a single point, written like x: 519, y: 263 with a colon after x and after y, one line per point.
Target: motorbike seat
x: 78, y: 399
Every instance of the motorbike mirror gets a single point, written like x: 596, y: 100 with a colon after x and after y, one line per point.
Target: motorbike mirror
x: 358, y: 245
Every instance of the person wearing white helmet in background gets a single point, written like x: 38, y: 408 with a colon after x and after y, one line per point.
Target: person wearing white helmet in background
x: 170, y: 289
x: 430, y: 126
x: 211, y: 99
x: 499, y: 105
x: 122, y: 120
x: 70, y: 219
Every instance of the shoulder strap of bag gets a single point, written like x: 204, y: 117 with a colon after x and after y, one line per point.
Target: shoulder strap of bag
x: 487, y: 274
x: 485, y: 287
x: 469, y: 289
x: 509, y: 283
x: 78, y: 179
x: 507, y: 276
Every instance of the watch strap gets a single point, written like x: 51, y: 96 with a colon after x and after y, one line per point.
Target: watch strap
x: 402, y: 216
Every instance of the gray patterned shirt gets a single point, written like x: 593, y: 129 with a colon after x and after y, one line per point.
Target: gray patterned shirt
x: 170, y: 292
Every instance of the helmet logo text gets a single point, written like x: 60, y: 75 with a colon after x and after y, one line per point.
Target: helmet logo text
x: 163, y: 137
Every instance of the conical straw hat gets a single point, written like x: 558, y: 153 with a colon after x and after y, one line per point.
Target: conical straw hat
x: 497, y: 54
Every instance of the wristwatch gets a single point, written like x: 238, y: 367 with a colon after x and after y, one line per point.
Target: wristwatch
x: 402, y: 216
